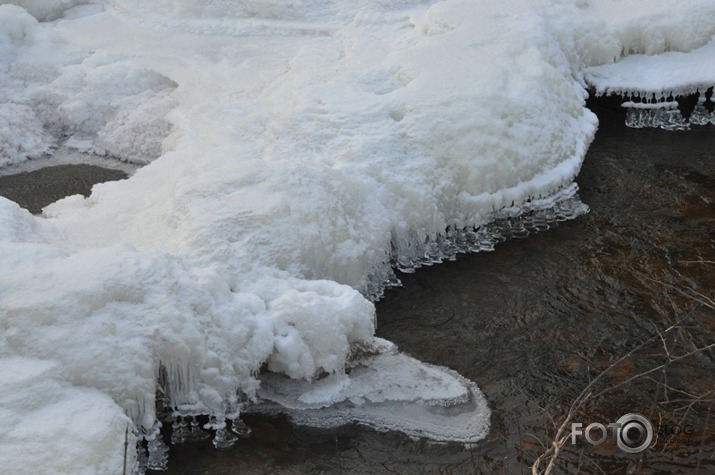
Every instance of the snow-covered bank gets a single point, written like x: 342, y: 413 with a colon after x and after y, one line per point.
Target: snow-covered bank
x: 292, y: 152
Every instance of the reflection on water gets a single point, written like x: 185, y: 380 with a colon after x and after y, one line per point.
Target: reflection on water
x: 534, y: 321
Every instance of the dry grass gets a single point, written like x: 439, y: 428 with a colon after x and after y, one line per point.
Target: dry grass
x: 676, y: 343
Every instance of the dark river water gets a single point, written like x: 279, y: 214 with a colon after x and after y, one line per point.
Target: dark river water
x: 36, y: 189
x: 535, y: 321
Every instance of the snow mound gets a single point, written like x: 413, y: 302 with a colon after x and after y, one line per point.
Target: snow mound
x: 38, y: 410
x: 55, y: 95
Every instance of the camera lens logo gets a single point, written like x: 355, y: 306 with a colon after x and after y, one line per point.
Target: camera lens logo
x: 634, y: 433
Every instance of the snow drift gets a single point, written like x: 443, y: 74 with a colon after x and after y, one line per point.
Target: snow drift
x: 294, y: 153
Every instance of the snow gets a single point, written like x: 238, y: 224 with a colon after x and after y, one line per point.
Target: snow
x: 45, y: 10
x: 50, y: 426
x: 673, y: 73
x: 291, y: 154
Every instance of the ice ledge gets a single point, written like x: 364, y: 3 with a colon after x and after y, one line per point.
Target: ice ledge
x: 652, y: 86
x: 386, y: 391
x: 660, y: 76
x: 516, y: 221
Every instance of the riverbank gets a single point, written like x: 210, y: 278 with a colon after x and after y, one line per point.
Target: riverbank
x: 533, y: 322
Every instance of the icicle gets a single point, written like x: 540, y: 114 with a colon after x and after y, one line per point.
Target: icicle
x: 158, y: 451
x: 672, y: 119
x: 240, y: 428
x: 140, y: 465
x: 223, y: 439
x: 633, y: 118
x: 180, y: 430
x: 432, y: 253
x: 196, y: 434
x: 410, y: 252
x: 700, y: 115
x: 655, y: 112
x: 658, y: 117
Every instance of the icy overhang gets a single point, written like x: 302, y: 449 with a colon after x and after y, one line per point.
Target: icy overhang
x: 653, y: 84
x: 656, y: 76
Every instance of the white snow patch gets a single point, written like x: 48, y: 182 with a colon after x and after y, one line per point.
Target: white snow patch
x: 39, y: 412
x: 292, y: 150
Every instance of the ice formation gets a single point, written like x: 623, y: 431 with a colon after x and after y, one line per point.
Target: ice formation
x: 652, y: 84
x: 387, y: 391
x: 294, y: 154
